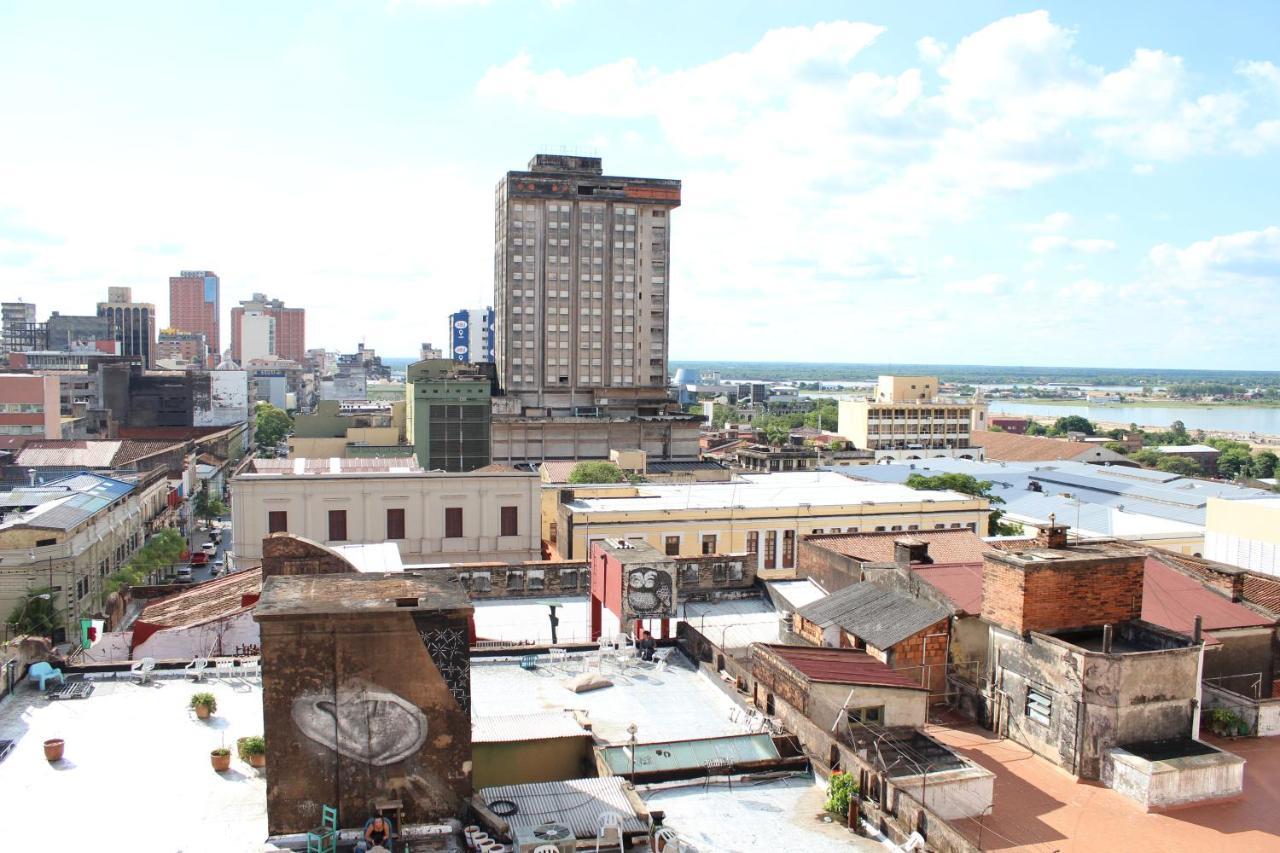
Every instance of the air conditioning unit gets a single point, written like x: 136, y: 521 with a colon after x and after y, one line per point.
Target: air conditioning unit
x: 530, y: 838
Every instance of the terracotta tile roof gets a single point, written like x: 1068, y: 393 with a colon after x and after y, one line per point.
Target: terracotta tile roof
x: 1173, y: 600
x: 80, y: 453
x: 1011, y: 447
x: 1262, y: 591
x: 558, y: 470
x: 205, y: 602
x: 945, y: 546
x: 840, y: 666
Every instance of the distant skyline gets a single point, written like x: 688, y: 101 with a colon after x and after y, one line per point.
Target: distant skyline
x: 1088, y: 184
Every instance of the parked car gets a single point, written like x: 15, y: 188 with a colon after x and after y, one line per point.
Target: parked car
x: 184, y: 575
x: 217, y: 567
x: 199, y: 558
x: 209, y: 547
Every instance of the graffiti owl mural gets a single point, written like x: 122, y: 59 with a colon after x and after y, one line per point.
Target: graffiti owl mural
x: 650, y: 592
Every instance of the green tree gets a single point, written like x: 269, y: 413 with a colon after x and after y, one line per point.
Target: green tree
x: 1180, y: 465
x: 1035, y: 428
x: 1071, y: 423
x: 776, y: 432
x: 1235, y: 462
x: 1264, y: 464
x: 967, y: 484
x: 585, y: 473
x: 271, y: 425
x: 160, y: 553
x: 1117, y: 447
x: 35, y: 614
x: 209, y: 506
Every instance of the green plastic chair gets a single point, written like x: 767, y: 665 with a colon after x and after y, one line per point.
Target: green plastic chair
x: 324, y: 838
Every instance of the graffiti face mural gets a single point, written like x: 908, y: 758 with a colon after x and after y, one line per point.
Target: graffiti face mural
x: 650, y: 592
x: 363, y: 723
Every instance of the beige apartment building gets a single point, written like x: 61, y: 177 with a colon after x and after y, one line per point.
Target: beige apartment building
x: 762, y: 514
x: 905, y: 420
x: 581, y: 284
x: 70, y: 534
x: 1244, y: 533
x: 432, y: 517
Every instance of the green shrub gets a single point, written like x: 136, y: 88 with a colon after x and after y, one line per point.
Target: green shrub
x: 254, y: 745
x: 840, y: 790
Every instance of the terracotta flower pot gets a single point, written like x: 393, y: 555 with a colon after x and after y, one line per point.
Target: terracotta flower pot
x: 258, y: 760
x: 53, y: 749
x: 221, y: 763
x: 202, y: 711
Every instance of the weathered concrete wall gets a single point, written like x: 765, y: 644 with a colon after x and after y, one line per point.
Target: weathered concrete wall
x: 359, y: 708
x: 1173, y: 782
x: 1240, y: 658
x: 212, y: 639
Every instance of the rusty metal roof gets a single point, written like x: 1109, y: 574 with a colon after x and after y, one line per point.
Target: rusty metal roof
x: 840, y: 666
x: 1173, y: 600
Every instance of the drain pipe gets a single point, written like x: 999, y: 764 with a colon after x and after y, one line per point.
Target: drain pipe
x: 1197, y: 639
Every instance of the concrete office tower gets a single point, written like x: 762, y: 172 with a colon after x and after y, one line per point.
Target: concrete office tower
x: 290, y: 328
x: 581, y: 282
x: 195, y: 305
x: 17, y: 318
x: 133, y: 324
x: 471, y: 335
x: 258, y: 337
x: 429, y: 352
x: 448, y: 415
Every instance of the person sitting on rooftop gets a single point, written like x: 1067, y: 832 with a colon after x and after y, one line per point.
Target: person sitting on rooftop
x: 647, y: 646
x: 377, y: 835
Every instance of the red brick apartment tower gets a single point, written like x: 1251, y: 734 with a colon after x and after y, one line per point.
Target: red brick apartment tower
x: 291, y: 327
x: 195, y: 305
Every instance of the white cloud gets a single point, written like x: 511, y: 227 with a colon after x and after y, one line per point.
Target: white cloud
x: 1265, y: 74
x: 1246, y: 258
x: 984, y: 284
x: 1059, y: 243
x: 930, y: 50
x: 1143, y: 169
x: 1051, y: 224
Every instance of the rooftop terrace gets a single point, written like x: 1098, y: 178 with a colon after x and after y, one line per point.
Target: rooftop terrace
x: 136, y: 773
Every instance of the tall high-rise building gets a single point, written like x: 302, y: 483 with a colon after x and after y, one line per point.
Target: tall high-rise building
x: 195, y: 305
x: 471, y: 335
x: 429, y: 352
x: 258, y: 337
x: 133, y: 324
x: 581, y: 288
x: 290, y: 328
x: 18, y: 319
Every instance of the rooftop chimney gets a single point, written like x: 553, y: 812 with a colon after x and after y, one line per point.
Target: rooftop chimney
x: 909, y: 550
x: 1052, y: 535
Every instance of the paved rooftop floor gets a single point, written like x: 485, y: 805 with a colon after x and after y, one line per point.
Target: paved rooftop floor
x: 676, y: 704
x: 777, y: 815
x: 1039, y: 807
x: 136, y: 775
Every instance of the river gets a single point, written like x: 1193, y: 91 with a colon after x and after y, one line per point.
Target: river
x: 1241, y: 419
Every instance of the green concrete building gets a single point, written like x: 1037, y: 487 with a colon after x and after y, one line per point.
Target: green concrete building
x: 449, y: 414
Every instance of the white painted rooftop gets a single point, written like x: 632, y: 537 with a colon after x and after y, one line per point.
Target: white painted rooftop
x: 791, y: 489
x: 677, y: 703
x: 781, y: 814
x: 136, y: 773
x: 373, y: 557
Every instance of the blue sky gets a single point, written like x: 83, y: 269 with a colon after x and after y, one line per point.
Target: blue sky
x: 1090, y: 184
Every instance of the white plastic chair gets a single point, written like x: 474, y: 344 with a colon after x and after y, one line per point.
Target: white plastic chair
x: 609, y: 825
x: 546, y: 848
x: 141, y: 669
x: 665, y: 840
x: 251, y: 667
x: 197, y: 667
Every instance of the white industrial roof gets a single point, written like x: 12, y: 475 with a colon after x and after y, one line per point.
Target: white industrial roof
x: 1185, y: 448
x: 519, y: 727
x: 374, y: 557
x: 816, y: 488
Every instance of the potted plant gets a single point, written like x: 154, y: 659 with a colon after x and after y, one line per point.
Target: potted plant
x: 254, y: 750
x: 221, y: 759
x: 204, y: 704
x: 53, y: 749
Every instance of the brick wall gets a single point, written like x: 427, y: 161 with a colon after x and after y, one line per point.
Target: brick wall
x: 832, y: 571
x: 923, y: 658
x: 1060, y: 594
x: 774, y: 674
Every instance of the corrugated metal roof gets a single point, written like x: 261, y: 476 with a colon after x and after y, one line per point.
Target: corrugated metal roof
x: 841, y: 666
x: 69, y: 454
x: 576, y: 803
x: 1173, y: 600
x: 67, y: 502
x: 518, y: 727
x: 877, y: 615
